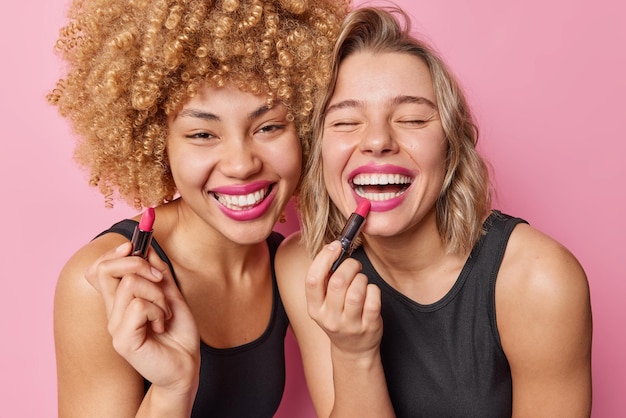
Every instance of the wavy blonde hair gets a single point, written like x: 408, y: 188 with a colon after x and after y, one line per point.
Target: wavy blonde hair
x: 465, y: 198
x: 133, y: 62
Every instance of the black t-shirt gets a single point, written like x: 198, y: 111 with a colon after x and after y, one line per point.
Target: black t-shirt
x: 445, y: 359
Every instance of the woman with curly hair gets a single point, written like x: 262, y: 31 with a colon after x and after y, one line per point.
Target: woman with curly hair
x: 448, y: 308
x: 201, y: 110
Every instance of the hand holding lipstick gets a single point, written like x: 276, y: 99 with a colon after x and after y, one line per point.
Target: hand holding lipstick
x: 149, y: 321
x: 345, y: 306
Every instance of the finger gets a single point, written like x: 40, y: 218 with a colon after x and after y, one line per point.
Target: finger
x: 108, y: 272
x: 92, y: 274
x: 339, y: 283
x: 355, y: 299
x: 315, y: 282
x: 372, y: 305
x: 105, y: 272
x: 130, y: 334
x: 167, y: 284
x: 159, y: 267
x: 132, y: 287
x: 151, y: 267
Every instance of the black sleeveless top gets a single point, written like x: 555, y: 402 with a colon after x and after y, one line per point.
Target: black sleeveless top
x: 245, y: 381
x: 445, y: 359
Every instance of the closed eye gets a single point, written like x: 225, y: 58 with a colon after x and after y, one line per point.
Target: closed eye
x: 342, y: 124
x: 418, y: 122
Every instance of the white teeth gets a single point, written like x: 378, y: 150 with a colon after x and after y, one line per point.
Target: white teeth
x: 377, y: 197
x: 241, y: 202
x: 372, y: 179
x: 380, y: 179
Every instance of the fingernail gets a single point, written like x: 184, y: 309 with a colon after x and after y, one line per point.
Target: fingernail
x: 121, y: 248
x: 333, y: 245
x: 156, y: 273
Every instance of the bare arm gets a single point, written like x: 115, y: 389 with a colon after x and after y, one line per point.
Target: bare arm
x: 94, y: 380
x: 544, y: 318
x: 338, y: 328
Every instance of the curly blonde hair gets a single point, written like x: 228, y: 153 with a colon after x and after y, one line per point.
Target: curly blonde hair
x: 465, y: 198
x: 131, y: 63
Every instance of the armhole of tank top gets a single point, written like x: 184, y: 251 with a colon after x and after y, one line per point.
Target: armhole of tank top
x: 501, y: 240
x: 278, y: 309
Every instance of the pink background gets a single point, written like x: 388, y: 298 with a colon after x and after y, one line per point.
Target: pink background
x: 547, y: 82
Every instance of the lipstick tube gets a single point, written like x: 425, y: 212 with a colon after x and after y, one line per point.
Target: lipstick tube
x: 350, y: 231
x: 142, y: 235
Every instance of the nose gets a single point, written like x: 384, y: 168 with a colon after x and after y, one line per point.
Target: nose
x: 239, y: 159
x: 378, y: 139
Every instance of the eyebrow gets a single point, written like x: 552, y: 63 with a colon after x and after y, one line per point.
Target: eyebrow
x: 398, y: 100
x: 344, y: 104
x: 413, y: 99
x: 199, y: 114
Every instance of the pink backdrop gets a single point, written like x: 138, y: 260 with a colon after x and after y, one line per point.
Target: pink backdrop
x: 547, y: 82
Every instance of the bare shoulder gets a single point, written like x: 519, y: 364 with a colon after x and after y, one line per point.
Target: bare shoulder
x: 79, y: 313
x: 89, y: 371
x: 292, y: 260
x: 543, y: 314
x: 292, y: 263
x: 292, y: 245
x: 72, y: 280
x: 536, y: 265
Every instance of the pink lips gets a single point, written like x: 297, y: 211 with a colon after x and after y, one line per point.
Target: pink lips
x: 380, y: 169
x: 253, y: 212
x: 240, y: 189
x: 372, y: 168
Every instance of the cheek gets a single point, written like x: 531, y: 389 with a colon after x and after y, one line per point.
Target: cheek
x: 285, y: 158
x: 190, y: 168
x: 292, y: 167
x: 430, y: 153
x: 329, y: 162
x: 436, y: 163
x: 335, y: 154
x: 333, y: 163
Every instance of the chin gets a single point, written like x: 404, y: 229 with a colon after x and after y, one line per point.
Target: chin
x: 248, y: 233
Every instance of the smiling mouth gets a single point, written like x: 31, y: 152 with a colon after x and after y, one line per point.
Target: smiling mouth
x: 243, y: 201
x: 379, y: 187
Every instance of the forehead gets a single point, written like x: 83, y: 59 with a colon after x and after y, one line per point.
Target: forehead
x: 215, y: 95
x: 226, y: 103
x: 378, y: 76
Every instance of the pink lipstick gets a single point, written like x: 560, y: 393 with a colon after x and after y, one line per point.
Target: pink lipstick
x: 350, y: 231
x: 142, y: 236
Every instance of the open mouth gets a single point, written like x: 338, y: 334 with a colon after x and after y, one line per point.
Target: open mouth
x: 243, y: 201
x: 378, y: 187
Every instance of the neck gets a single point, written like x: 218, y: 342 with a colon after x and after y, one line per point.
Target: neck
x: 195, y: 246
x: 414, y: 257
